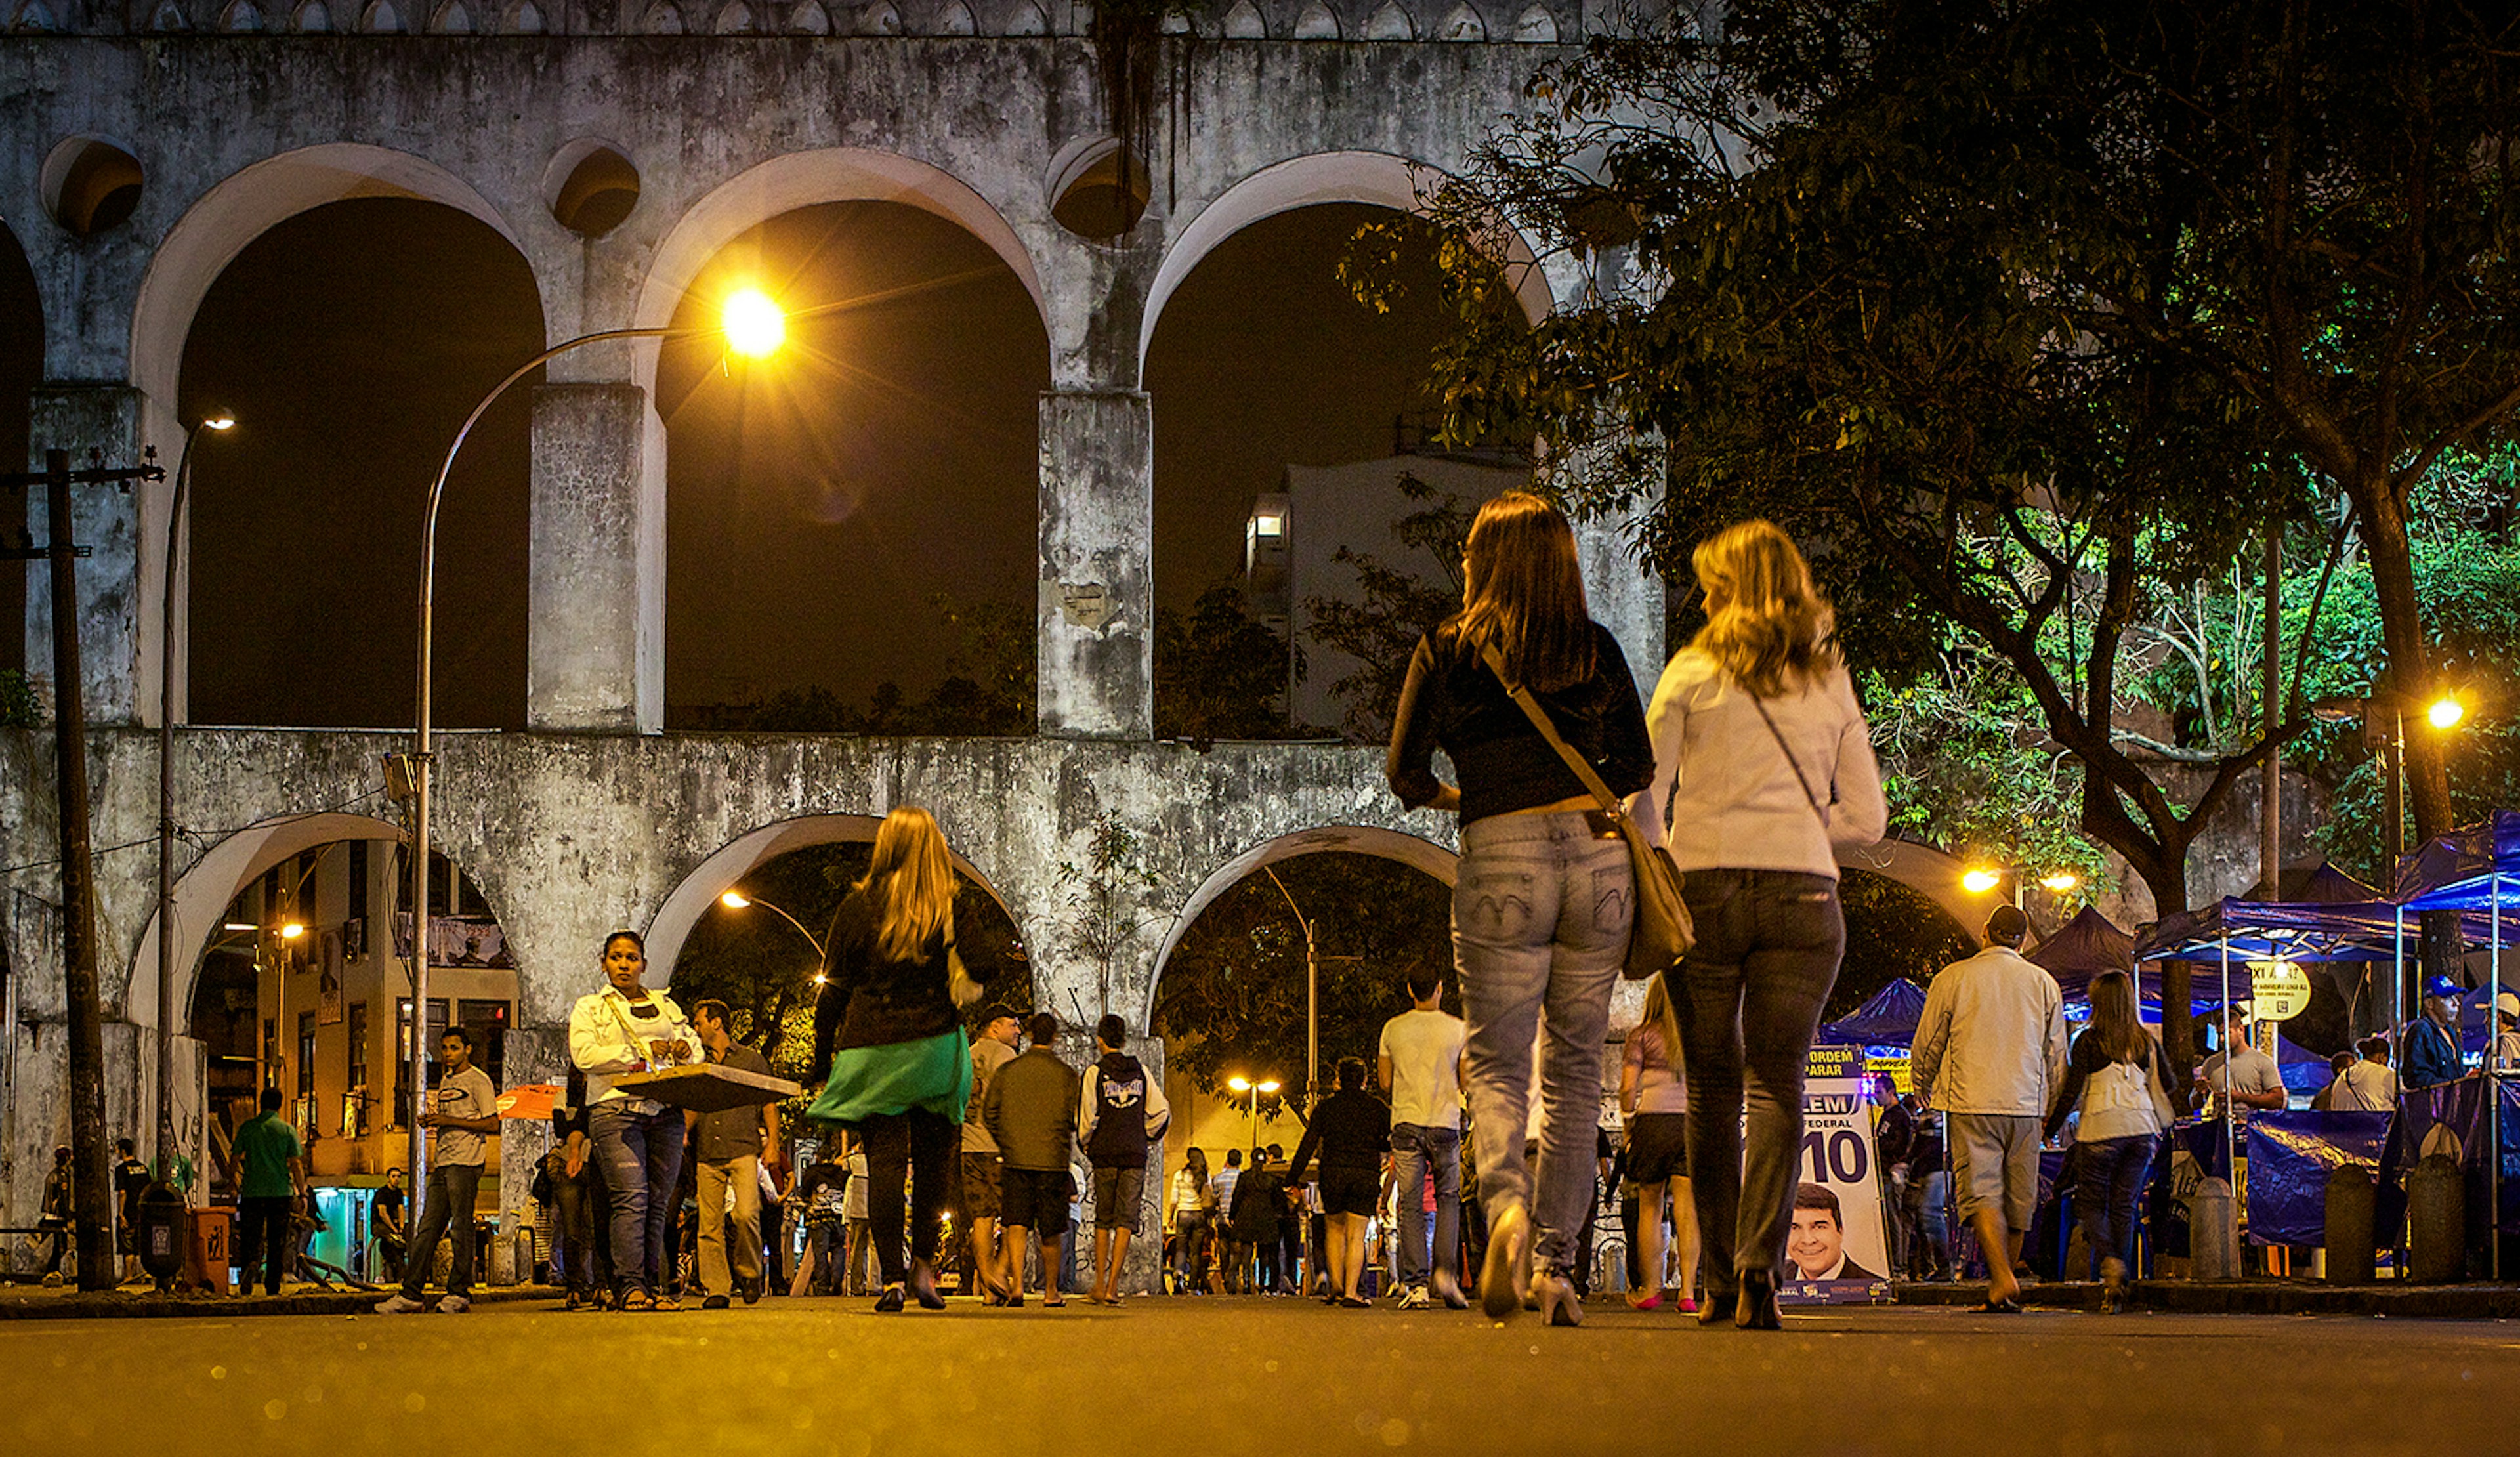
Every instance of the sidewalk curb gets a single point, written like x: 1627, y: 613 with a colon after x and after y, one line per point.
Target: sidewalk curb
x: 151, y: 1305
x: 2251, y: 1297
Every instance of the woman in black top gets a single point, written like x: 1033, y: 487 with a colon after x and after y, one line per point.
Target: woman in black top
x: 1544, y: 896
x: 577, y: 1187
x: 889, y: 1047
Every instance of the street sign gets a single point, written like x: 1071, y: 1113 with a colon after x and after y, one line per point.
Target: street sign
x: 2279, y: 990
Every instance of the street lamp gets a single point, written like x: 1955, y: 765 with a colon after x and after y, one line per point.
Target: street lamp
x: 2383, y: 716
x: 1980, y: 880
x: 752, y: 326
x: 1252, y: 1093
x: 737, y: 900
x: 217, y: 421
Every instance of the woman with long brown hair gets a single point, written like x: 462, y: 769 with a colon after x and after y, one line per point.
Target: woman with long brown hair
x: 1764, y: 768
x: 2115, y: 1081
x: 1543, y: 897
x: 1653, y: 1094
x: 889, y: 1047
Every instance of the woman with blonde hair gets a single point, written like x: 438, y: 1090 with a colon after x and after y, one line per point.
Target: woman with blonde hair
x: 889, y: 1047
x: 1654, y: 1098
x: 1764, y: 768
x: 1543, y: 897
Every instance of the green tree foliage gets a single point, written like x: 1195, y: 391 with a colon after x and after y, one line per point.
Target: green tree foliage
x: 1232, y: 998
x: 19, y: 706
x: 1220, y: 673
x: 987, y: 691
x: 1105, y: 892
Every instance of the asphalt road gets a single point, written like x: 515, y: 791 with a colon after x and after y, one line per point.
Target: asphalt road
x: 1225, y: 1377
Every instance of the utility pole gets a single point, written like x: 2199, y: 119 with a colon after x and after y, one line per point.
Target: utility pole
x: 91, y: 1171
x: 2270, y: 781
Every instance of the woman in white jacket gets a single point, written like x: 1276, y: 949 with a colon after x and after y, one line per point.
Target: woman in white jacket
x: 1762, y: 766
x: 627, y: 1029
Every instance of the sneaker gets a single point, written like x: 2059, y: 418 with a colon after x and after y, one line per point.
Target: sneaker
x: 454, y: 1305
x: 1415, y: 1299
x: 715, y: 1302
x: 400, y: 1305
x: 52, y: 1280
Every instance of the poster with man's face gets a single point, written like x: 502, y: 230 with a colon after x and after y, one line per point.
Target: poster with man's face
x: 1837, y: 1247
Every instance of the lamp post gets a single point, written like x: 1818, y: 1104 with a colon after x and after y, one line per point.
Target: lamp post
x: 752, y: 326
x: 1252, y: 1093
x: 737, y: 900
x: 2383, y: 717
x: 1978, y: 880
x: 1313, y: 960
x: 218, y: 422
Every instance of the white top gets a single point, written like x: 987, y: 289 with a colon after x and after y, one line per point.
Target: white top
x: 605, y: 1035
x: 1189, y: 1191
x: 853, y: 1200
x: 1992, y: 1037
x: 2365, y: 1087
x: 1425, y: 1052
x: 1723, y: 794
x: 1221, y: 1184
x: 468, y: 1094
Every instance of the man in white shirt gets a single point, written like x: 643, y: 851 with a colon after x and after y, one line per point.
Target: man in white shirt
x: 2254, y: 1083
x: 1420, y: 1061
x: 1990, y: 1054
x: 464, y: 1109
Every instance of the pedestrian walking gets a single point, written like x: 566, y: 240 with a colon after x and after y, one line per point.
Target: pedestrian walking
x: 1351, y: 1130
x: 1123, y: 1112
x: 993, y: 1048
x: 859, y: 1266
x: 624, y: 1029
x: 1763, y: 769
x: 1189, y: 1201
x: 1259, y: 1216
x: 2118, y: 1092
x: 387, y: 1227
x: 57, y: 1214
x: 1989, y: 1055
x: 817, y: 1192
x: 271, y: 1177
x: 889, y: 1048
x: 1031, y: 1111
x: 1420, y: 1065
x: 1654, y: 1095
x: 1545, y: 896
x: 463, y: 1113
x: 1233, y: 1251
x: 130, y: 1181
x: 725, y: 1148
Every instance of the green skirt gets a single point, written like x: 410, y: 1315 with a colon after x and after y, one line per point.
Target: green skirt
x: 894, y: 1077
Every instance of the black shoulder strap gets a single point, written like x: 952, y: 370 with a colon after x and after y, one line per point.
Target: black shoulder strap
x: 1791, y: 762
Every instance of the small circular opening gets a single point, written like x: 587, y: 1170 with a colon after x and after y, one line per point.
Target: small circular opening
x: 1102, y: 190
x: 91, y: 185
x: 596, y: 189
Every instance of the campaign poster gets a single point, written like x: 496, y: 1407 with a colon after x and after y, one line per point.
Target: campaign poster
x: 1837, y: 1254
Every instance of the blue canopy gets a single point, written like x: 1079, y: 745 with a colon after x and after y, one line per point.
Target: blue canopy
x: 2469, y: 869
x: 2303, y: 1071
x: 2329, y: 916
x: 2083, y: 947
x: 1888, y: 1019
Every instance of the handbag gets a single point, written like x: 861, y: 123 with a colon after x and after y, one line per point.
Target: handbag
x: 1662, y: 932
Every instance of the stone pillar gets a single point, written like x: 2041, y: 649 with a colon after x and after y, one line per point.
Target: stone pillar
x: 595, y: 635
x: 1096, y: 609
x: 117, y: 601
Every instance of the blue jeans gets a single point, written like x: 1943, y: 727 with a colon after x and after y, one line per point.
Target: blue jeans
x: 1749, y: 999
x: 643, y: 1158
x: 452, y: 1189
x: 1541, y: 914
x: 2109, y: 1194
x: 1415, y: 1147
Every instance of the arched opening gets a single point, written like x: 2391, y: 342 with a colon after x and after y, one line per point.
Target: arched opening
x: 292, y: 956
x: 349, y: 341
x: 21, y: 368
x: 590, y: 187
x: 1292, y: 451
x: 1230, y: 992
x: 1893, y: 930
x: 91, y: 185
x: 852, y: 534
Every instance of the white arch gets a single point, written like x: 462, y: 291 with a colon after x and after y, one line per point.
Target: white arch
x: 1358, y: 839
x: 1929, y: 873
x: 1375, y: 177
x: 691, y: 898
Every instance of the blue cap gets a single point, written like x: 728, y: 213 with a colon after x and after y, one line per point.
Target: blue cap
x: 2442, y: 986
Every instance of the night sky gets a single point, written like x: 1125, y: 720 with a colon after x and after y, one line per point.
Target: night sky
x: 817, y: 502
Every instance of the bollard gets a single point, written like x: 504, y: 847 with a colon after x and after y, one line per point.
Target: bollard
x: 2351, y: 1210
x: 2212, y: 1240
x: 2437, y: 1221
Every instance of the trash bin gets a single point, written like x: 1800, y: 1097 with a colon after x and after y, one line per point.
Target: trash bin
x: 209, y: 1249
x: 162, y: 1233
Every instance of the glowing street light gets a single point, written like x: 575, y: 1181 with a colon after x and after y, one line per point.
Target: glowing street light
x: 2061, y: 882
x: 754, y: 327
x: 1980, y: 880
x: 290, y: 930
x: 2445, y: 713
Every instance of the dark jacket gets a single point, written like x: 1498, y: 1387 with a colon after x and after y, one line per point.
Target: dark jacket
x: 1352, y: 1128
x: 1119, y: 1138
x: 870, y: 1000
x: 1451, y: 702
x: 1030, y: 1110
x: 1259, y: 1197
x: 2432, y: 1056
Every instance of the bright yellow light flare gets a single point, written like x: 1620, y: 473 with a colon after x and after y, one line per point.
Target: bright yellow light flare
x: 290, y: 930
x: 2061, y: 882
x: 1270, y: 1087
x: 1239, y: 1084
x: 734, y: 900
x: 218, y: 419
x: 755, y: 326
x: 2446, y: 712
x: 1981, y: 881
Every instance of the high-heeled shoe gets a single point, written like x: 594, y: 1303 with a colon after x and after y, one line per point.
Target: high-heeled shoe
x: 923, y: 1286
x: 1558, y: 1305
x: 1505, y: 1277
x: 1755, y: 1308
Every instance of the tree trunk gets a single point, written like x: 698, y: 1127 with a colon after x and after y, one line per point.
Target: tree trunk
x: 2410, y: 678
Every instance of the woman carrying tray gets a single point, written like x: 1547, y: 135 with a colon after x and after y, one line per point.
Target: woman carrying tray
x: 621, y: 1029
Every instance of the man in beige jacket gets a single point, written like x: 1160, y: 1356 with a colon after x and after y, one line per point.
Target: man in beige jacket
x: 1989, y: 1055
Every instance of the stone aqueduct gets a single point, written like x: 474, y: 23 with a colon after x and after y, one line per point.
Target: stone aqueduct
x: 236, y: 118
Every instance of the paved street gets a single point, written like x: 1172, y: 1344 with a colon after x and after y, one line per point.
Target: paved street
x: 1227, y: 1377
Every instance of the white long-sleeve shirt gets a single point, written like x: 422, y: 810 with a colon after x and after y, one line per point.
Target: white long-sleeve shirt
x: 1992, y: 1039
x: 1723, y: 796
x: 606, y: 1037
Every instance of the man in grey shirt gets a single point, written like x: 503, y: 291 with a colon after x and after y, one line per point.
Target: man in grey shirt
x: 726, y: 1153
x: 464, y: 1109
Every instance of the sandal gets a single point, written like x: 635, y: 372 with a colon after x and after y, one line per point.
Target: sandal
x: 2006, y: 1306
x: 637, y: 1299
x: 666, y: 1302
x: 1053, y: 1302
